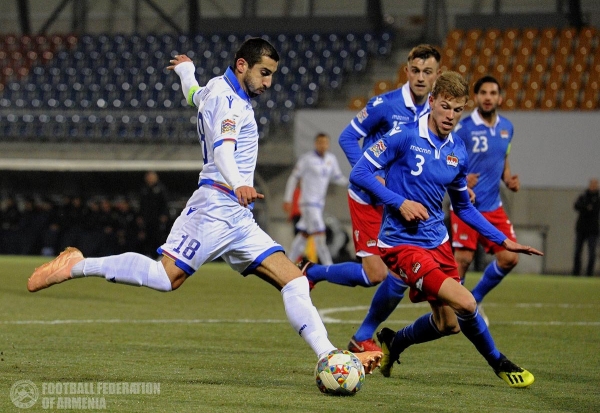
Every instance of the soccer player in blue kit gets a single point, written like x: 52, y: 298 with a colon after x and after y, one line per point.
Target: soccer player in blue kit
x: 421, y: 162
x: 487, y: 137
x: 382, y: 113
x: 217, y: 220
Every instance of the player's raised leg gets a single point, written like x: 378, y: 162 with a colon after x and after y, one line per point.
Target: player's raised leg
x: 278, y: 270
x: 128, y: 268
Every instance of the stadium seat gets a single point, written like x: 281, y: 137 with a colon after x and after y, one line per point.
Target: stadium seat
x: 472, y: 39
x: 382, y: 86
x: 357, y: 103
x: 510, y: 99
x: 529, y: 101
x: 490, y: 39
x: 454, y: 39
x: 401, y: 74
x: 589, y: 99
x: 569, y: 99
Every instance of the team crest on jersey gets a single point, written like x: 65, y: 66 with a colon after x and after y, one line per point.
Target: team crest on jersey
x: 378, y: 148
x: 228, y: 127
x: 504, y: 134
x: 416, y: 267
x: 362, y: 115
x: 452, y: 160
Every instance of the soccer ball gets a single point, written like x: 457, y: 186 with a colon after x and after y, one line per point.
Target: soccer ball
x: 339, y: 373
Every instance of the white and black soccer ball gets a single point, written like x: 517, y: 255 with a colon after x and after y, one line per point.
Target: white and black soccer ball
x: 339, y: 373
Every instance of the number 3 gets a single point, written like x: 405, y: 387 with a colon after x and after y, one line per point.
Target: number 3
x: 419, y: 165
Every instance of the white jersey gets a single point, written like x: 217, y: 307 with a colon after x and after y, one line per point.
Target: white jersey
x: 213, y: 224
x: 314, y: 174
x: 225, y: 113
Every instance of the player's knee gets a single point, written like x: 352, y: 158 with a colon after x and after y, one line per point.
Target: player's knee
x: 376, y: 275
x: 508, y: 261
x: 463, y: 260
x: 465, y: 306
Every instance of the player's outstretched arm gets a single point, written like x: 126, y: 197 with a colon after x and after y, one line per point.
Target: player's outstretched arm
x: 523, y: 249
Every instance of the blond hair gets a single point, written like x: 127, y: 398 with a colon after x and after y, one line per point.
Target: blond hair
x: 450, y: 84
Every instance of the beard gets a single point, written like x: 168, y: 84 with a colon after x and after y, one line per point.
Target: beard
x: 487, y: 113
x: 251, y: 89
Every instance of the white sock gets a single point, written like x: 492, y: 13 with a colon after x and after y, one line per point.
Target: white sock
x: 129, y: 268
x: 297, y: 249
x: 322, y: 250
x: 303, y: 316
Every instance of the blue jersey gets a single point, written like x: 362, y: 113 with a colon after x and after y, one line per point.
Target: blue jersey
x: 487, y: 148
x: 419, y: 167
x: 381, y: 114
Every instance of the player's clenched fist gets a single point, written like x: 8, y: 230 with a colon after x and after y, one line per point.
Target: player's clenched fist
x: 180, y: 58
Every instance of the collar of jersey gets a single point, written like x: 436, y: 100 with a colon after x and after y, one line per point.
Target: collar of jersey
x: 478, y: 120
x: 233, y: 83
x: 408, y: 102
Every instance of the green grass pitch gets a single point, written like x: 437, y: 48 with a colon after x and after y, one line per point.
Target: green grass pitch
x: 221, y: 343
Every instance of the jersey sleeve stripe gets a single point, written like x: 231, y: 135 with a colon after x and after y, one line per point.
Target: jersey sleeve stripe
x: 358, y: 129
x: 366, y: 155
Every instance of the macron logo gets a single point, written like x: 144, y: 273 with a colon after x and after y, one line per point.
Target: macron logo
x: 191, y: 210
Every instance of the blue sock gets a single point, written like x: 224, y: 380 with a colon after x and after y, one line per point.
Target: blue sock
x: 492, y: 275
x: 474, y: 328
x: 422, y: 330
x: 384, y: 301
x: 345, y: 273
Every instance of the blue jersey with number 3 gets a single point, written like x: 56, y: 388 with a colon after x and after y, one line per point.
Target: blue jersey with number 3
x: 420, y: 167
x: 487, y: 149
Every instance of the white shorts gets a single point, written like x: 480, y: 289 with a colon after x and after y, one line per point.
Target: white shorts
x: 213, y: 225
x: 311, y: 220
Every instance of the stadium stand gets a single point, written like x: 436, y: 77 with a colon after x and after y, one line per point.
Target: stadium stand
x: 115, y: 88
x: 539, y: 69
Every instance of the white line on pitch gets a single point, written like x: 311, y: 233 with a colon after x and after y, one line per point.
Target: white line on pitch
x: 267, y: 321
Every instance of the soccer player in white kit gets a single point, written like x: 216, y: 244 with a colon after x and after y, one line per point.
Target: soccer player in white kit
x: 313, y: 171
x: 217, y: 220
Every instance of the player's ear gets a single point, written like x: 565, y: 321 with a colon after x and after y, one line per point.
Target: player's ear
x: 241, y: 65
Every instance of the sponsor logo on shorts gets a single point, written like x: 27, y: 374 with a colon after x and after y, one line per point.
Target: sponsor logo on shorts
x: 402, y: 274
x: 463, y: 237
x: 419, y: 284
x: 371, y: 243
x: 416, y: 267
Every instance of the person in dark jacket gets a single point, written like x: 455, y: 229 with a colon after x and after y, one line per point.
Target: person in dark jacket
x: 588, y: 228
